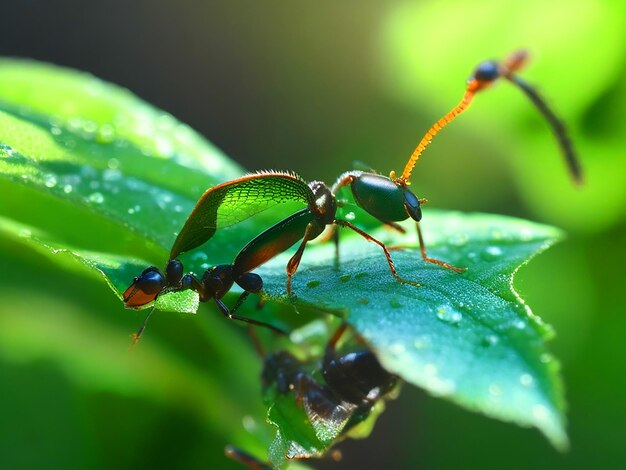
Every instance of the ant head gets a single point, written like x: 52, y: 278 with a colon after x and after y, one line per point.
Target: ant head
x: 281, y: 369
x: 173, y: 272
x: 145, y: 288
x: 412, y: 205
x: 325, y: 202
x: 487, y: 71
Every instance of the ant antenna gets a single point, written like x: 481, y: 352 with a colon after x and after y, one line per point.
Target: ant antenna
x: 484, y: 75
x: 136, y: 336
x: 558, y: 128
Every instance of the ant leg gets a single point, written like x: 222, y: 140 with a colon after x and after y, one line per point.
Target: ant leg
x: 332, y: 342
x: 245, y: 459
x: 426, y: 258
x: 294, y: 262
x: 256, y: 342
x: 396, y: 227
x: 334, y: 339
x: 244, y: 295
x: 136, y: 336
x: 336, y: 242
x: 369, y: 238
x: 228, y: 314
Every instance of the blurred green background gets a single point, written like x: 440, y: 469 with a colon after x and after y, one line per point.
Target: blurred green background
x: 311, y: 87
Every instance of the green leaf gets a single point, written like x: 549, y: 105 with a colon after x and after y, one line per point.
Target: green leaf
x: 100, y: 177
x: 466, y: 337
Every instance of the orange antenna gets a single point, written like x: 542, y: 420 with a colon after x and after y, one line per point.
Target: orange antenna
x: 484, y: 75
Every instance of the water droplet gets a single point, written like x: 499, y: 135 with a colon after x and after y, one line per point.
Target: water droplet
x: 113, y: 163
x: 345, y: 277
x: 525, y: 234
x: 106, y: 133
x: 249, y: 423
x: 395, y: 303
x: 491, y: 253
x: 545, y: 358
x: 67, y: 188
x: 497, y: 235
x: 495, y: 390
x: 490, y: 340
x: 526, y: 380
x: 164, y: 147
x: 49, y: 180
x: 95, y: 198
x: 519, y: 324
x: 6, y: 150
x: 421, y: 342
x: 449, y: 315
x: 54, y: 130
x: 312, y: 284
x: 178, y: 208
x: 350, y: 216
x: 199, y: 256
x: 459, y: 239
x: 111, y: 174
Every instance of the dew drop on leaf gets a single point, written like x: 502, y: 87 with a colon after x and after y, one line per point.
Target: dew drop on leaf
x: 490, y: 340
x: 526, y: 380
x: 519, y: 324
x: 459, y: 239
x: 449, y: 315
x: 49, y: 180
x: 95, y: 198
x: 495, y: 390
x: 492, y: 253
x: 421, y: 343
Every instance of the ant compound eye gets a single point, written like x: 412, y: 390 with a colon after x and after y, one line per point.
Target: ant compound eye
x: 412, y: 206
x: 486, y: 71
